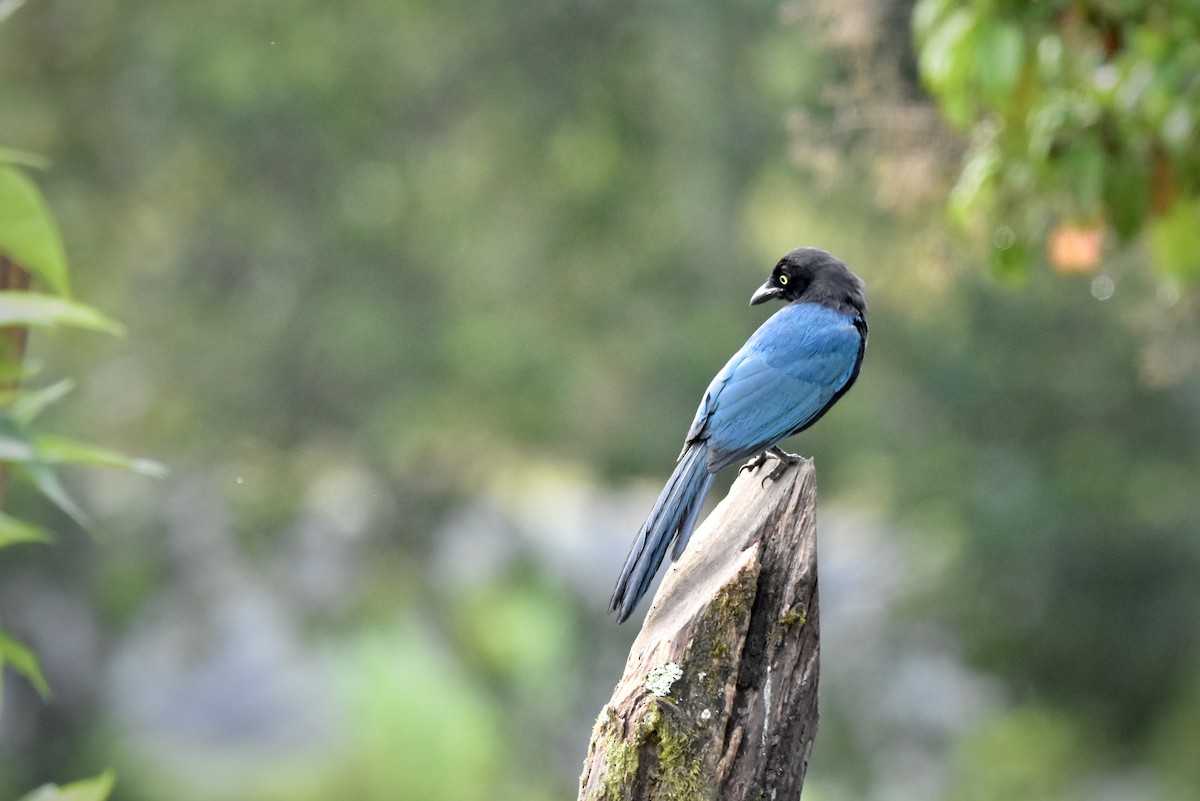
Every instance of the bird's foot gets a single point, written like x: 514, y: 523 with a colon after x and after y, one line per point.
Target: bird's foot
x: 783, y: 460
x: 754, y: 463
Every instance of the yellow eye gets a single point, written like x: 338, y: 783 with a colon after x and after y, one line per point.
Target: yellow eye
x: 783, y: 279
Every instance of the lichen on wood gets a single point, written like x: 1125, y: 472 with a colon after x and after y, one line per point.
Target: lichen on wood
x: 736, y: 621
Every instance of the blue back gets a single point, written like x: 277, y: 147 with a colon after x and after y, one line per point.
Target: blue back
x: 782, y: 380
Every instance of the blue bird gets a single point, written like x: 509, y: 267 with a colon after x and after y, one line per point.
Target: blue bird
x: 788, y: 374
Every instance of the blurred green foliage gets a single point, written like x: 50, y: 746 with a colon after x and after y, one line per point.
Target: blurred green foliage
x: 1083, y: 123
x: 30, y: 247
x: 97, y: 789
x: 1031, y: 754
x: 383, y: 262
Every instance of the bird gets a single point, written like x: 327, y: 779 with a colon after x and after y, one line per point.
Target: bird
x: 786, y: 377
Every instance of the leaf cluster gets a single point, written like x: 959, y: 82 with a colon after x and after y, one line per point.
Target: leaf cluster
x: 1082, y: 119
x: 30, y: 246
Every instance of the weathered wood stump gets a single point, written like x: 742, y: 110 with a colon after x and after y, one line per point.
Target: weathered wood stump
x: 719, y: 695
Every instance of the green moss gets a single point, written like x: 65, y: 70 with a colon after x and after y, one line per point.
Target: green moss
x: 678, y: 772
x: 603, y: 719
x: 796, y: 616
x: 622, y: 765
x: 735, y: 598
x: 621, y: 757
x: 731, y: 606
x: 720, y: 650
x: 667, y: 749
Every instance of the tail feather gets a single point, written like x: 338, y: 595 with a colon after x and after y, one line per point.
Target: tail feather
x: 693, y: 516
x: 672, y: 519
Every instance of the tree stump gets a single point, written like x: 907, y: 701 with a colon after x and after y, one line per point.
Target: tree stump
x: 719, y: 695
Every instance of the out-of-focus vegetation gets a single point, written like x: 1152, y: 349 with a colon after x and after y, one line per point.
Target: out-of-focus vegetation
x: 1082, y: 118
x: 420, y: 298
x: 30, y: 248
x: 96, y: 789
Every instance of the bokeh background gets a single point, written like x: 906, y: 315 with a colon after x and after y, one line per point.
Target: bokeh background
x: 420, y: 297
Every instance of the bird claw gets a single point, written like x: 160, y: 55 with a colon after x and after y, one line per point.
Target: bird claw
x: 755, y: 463
x: 783, y: 459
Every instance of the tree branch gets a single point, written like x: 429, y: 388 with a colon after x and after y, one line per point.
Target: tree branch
x: 719, y: 695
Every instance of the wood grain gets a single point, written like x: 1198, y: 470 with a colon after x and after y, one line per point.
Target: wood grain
x: 737, y: 615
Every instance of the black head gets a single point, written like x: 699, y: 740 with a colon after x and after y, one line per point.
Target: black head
x: 813, y: 275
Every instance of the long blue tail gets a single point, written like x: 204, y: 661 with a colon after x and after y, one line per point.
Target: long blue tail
x: 672, y: 519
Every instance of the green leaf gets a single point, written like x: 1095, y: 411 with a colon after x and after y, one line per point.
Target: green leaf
x: 1043, y: 126
x: 942, y: 61
x: 1127, y: 194
x: 925, y: 16
x: 34, y: 456
x: 95, y: 789
x: 9, y: 155
x: 6, y: 9
x: 16, y: 374
x: 1083, y: 167
x: 1175, y: 241
x: 977, y: 177
x: 46, y: 480
x: 28, y: 234
x: 24, y: 661
x: 1049, y: 58
x: 14, y: 531
x: 1000, y: 55
x: 16, y: 447
x: 946, y: 64
x: 33, y: 308
x: 30, y: 404
x: 62, y: 450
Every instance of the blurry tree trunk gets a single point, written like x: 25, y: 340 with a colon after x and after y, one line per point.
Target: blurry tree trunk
x: 730, y: 651
x: 12, y: 340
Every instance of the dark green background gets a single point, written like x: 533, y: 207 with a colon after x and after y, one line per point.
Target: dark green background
x: 420, y: 299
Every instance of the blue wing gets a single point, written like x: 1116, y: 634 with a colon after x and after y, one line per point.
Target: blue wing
x: 785, y: 377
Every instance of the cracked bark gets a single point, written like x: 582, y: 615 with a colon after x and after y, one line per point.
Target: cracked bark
x: 738, y: 614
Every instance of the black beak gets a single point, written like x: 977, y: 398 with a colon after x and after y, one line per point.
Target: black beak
x: 764, y: 293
